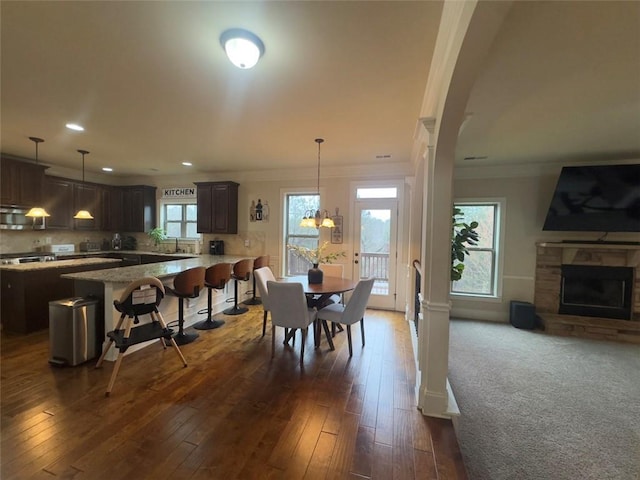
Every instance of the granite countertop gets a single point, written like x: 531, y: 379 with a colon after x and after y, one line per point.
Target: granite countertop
x: 31, y: 266
x: 159, y: 270
x: 61, y: 255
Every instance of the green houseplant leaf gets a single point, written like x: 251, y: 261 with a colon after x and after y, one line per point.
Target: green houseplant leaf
x: 463, y: 234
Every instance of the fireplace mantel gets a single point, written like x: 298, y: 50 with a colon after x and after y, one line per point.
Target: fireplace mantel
x: 571, y: 249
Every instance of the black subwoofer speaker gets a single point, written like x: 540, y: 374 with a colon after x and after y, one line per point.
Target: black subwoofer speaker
x: 522, y: 315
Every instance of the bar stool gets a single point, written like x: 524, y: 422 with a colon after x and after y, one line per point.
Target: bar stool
x: 262, y: 261
x: 141, y: 297
x: 216, y: 276
x: 241, y: 272
x: 186, y: 284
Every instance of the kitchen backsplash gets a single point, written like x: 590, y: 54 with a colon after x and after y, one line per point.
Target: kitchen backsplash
x: 30, y: 241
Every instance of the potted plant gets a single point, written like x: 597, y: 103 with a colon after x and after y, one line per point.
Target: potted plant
x: 463, y: 234
x: 157, y: 235
x: 316, y: 256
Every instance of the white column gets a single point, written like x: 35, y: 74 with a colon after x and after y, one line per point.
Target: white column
x: 433, y: 334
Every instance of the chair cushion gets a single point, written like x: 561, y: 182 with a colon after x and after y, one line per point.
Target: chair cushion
x: 331, y: 313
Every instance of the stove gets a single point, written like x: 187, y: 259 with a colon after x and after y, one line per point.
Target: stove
x: 15, y: 259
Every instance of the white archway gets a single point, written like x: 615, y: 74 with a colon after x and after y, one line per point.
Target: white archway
x: 467, y: 30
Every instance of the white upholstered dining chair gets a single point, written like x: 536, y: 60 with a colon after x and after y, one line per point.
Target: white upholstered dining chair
x: 352, y: 312
x: 334, y: 270
x: 262, y: 276
x: 288, y: 307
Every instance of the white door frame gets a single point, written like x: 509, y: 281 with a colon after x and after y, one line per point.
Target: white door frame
x: 397, y: 302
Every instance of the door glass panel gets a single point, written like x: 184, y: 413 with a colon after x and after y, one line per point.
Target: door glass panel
x: 375, y: 243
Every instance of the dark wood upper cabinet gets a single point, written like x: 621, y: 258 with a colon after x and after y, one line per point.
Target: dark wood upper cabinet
x: 115, y: 220
x: 117, y: 209
x: 58, y: 202
x: 217, y: 207
x: 21, y: 183
x: 139, y: 208
x: 87, y: 197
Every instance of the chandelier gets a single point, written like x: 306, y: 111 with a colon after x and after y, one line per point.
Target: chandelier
x: 319, y: 218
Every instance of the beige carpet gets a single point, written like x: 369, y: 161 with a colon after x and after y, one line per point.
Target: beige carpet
x: 536, y: 406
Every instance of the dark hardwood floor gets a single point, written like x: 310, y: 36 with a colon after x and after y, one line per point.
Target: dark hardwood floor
x: 232, y: 413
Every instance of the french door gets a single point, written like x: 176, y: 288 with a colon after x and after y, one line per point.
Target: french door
x: 375, y: 240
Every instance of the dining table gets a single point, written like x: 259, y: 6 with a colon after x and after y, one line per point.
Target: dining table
x: 318, y: 294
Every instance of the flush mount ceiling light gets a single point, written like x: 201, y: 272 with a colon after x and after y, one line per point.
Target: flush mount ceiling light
x: 83, y: 214
x: 75, y: 126
x: 243, y: 48
x: 319, y: 218
x: 37, y: 212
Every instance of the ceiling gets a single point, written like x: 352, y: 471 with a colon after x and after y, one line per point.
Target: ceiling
x: 152, y: 86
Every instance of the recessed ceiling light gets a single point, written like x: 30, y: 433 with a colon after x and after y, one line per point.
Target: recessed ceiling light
x: 75, y: 126
x: 107, y: 169
x: 187, y: 164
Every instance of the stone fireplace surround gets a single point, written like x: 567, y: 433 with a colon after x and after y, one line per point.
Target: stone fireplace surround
x: 550, y: 257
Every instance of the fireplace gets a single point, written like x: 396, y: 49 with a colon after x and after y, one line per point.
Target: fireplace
x: 596, y: 291
x: 589, y: 290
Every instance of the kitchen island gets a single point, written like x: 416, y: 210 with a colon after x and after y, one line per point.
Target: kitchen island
x: 108, y: 285
x: 27, y: 288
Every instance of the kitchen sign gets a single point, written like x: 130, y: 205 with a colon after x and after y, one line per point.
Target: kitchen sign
x: 179, y: 192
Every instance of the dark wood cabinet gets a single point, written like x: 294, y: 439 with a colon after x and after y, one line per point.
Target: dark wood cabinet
x: 104, y: 192
x: 115, y: 219
x: 21, y: 183
x: 26, y: 295
x: 217, y: 207
x: 58, y: 202
x: 139, y: 208
x: 117, y: 209
x: 87, y: 196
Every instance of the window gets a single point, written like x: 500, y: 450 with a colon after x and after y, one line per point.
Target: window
x: 179, y: 220
x: 296, y: 205
x: 481, y: 266
x: 376, y: 192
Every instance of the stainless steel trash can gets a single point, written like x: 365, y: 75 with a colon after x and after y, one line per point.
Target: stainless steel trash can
x: 72, y: 330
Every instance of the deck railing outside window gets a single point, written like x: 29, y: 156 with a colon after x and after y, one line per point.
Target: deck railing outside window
x: 374, y: 265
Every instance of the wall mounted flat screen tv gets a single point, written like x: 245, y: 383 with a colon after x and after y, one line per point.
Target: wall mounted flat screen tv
x: 603, y: 198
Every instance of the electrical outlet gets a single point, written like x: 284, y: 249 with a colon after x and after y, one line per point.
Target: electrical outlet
x: 47, y: 240
x: 247, y: 243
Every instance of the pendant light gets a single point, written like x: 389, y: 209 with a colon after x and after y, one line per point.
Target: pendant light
x: 83, y: 214
x: 36, y: 212
x: 318, y: 218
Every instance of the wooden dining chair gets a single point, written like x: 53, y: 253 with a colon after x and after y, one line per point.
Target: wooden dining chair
x: 262, y: 276
x: 288, y: 307
x: 352, y: 312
